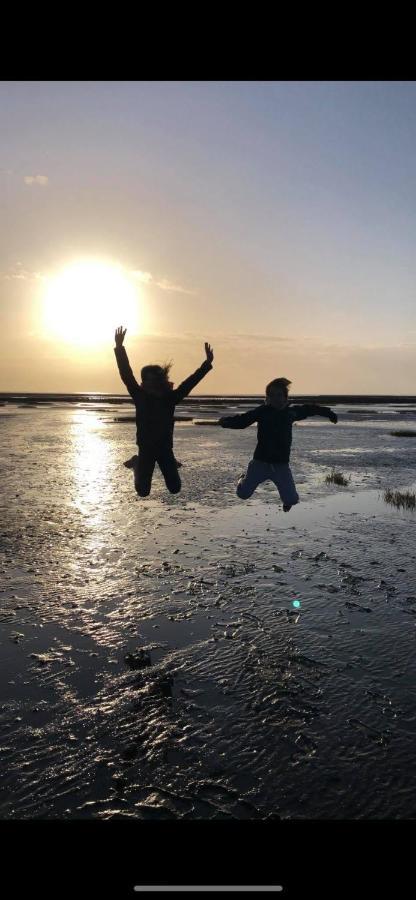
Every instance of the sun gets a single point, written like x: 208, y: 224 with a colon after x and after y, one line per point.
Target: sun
x: 86, y: 301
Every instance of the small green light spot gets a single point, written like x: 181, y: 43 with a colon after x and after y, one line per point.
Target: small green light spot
x: 296, y: 603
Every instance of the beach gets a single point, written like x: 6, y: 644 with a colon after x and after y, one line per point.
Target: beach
x: 153, y: 663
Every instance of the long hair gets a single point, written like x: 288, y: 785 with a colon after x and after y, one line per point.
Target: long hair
x: 157, y: 373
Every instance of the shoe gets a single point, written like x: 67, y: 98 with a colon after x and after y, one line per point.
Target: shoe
x: 132, y: 462
x: 287, y: 507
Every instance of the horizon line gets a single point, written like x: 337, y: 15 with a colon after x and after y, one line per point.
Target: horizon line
x: 126, y: 396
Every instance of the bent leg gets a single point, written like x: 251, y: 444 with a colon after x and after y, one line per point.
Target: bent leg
x: 169, y: 469
x: 256, y: 473
x: 283, y: 479
x: 143, y: 473
x: 132, y: 462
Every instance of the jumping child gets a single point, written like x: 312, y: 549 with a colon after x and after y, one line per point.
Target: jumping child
x: 275, y: 418
x: 155, y: 400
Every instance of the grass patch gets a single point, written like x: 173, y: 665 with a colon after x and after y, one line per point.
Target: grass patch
x: 336, y: 478
x: 399, y: 499
x: 403, y: 433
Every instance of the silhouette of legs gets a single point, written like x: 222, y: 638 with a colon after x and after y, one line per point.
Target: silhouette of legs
x: 143, y: 473
x: 169, y: 469
x: 283, y: 479
x: 143, y: 467
x: 259, y: 471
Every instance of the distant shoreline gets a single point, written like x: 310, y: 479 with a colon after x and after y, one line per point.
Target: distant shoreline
x: 214, y: 399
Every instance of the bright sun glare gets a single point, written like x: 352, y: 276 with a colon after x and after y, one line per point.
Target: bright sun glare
x: 87, y: 300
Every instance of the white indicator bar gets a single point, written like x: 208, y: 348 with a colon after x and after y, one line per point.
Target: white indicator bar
x: 252, y: 888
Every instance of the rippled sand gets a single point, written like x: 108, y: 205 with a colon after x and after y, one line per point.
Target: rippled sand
x: 239, y: 705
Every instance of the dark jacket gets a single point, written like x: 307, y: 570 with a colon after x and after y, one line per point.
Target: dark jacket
x: 274, y: 428
x: 154, y: 415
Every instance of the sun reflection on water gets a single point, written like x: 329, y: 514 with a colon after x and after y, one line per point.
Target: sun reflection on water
x: 90, y: 459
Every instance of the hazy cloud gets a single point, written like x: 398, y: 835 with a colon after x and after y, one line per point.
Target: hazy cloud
x: 144, y: 277
x: 43, y: 180
x: 164, y: 284
x: 293, y: 345
x: 259, y: 337
x: 19, y: 273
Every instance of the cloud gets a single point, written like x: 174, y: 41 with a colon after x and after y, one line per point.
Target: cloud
x: 43, y: 180
x: 19, y: 273
x: 259, y: 337
x: 164, y: 284
x: 145, y: 277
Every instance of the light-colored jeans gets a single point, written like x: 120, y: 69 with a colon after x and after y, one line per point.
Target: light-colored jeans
x: 279, y: 473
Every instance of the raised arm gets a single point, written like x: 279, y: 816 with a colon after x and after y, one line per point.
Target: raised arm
x: 124, y: 368
x: 243, y: 420
x: 312, y: 409
x: 188, y: 385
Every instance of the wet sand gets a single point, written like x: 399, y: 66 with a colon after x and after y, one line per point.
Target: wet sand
x: 153, y: 663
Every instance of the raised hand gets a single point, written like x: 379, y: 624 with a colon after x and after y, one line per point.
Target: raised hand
x: 119, y: 336
x: 209, y: 352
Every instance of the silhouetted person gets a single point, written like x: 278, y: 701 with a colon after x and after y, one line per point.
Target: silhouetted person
x: 155, y: 399
x: 274, y: 439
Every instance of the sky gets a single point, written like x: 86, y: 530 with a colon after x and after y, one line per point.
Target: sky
x: 276, y: 220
